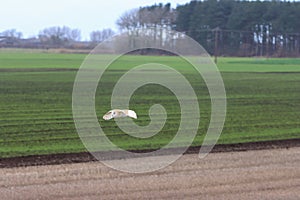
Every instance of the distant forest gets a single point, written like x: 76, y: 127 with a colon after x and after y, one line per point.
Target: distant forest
x: 226, y: 27
x: 244, y: 28
x: 222, y: 27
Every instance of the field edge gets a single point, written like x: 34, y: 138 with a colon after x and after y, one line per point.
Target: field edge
x: 68, y: 158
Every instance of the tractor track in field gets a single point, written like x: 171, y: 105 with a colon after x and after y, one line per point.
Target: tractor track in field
x: 66, y: 158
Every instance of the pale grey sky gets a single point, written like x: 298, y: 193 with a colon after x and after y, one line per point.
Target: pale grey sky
x: 31, y: 16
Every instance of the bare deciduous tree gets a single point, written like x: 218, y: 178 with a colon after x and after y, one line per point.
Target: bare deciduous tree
x: 129, y: 21
x: 12, y: 33
x: 74, y: 35
x: 157, y: 19
x: 100, y: 36
x: 59, y: 35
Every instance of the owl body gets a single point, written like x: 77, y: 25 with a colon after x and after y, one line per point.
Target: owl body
x: 118, y: 113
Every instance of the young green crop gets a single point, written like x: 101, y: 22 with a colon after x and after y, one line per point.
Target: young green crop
x: 263, y: 98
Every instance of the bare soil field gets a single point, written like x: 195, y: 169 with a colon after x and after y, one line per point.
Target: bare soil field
x: 253, y: 174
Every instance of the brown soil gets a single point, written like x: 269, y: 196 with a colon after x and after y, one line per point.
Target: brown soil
x: 263, y: 174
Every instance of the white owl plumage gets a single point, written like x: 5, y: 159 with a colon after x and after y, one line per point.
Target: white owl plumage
x: 118, y: 113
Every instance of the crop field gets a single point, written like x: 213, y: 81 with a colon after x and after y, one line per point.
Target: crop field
x: 263, y: 102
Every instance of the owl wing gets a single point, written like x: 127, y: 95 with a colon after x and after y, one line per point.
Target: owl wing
x: 131, y: 113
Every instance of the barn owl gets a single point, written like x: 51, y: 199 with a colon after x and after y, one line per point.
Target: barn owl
x: 117, y: 113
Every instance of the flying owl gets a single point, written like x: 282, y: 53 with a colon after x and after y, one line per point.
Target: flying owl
x: 117, y: 113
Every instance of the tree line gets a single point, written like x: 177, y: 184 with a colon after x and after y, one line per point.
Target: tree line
x: 261, y: 28
x: 226, y: 27
x: 53, y: 37
x: 222, y: 27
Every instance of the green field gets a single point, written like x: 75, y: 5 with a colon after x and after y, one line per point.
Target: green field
x: 263, y: 101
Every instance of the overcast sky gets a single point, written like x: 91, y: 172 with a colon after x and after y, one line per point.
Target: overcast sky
x: 31, y: 16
